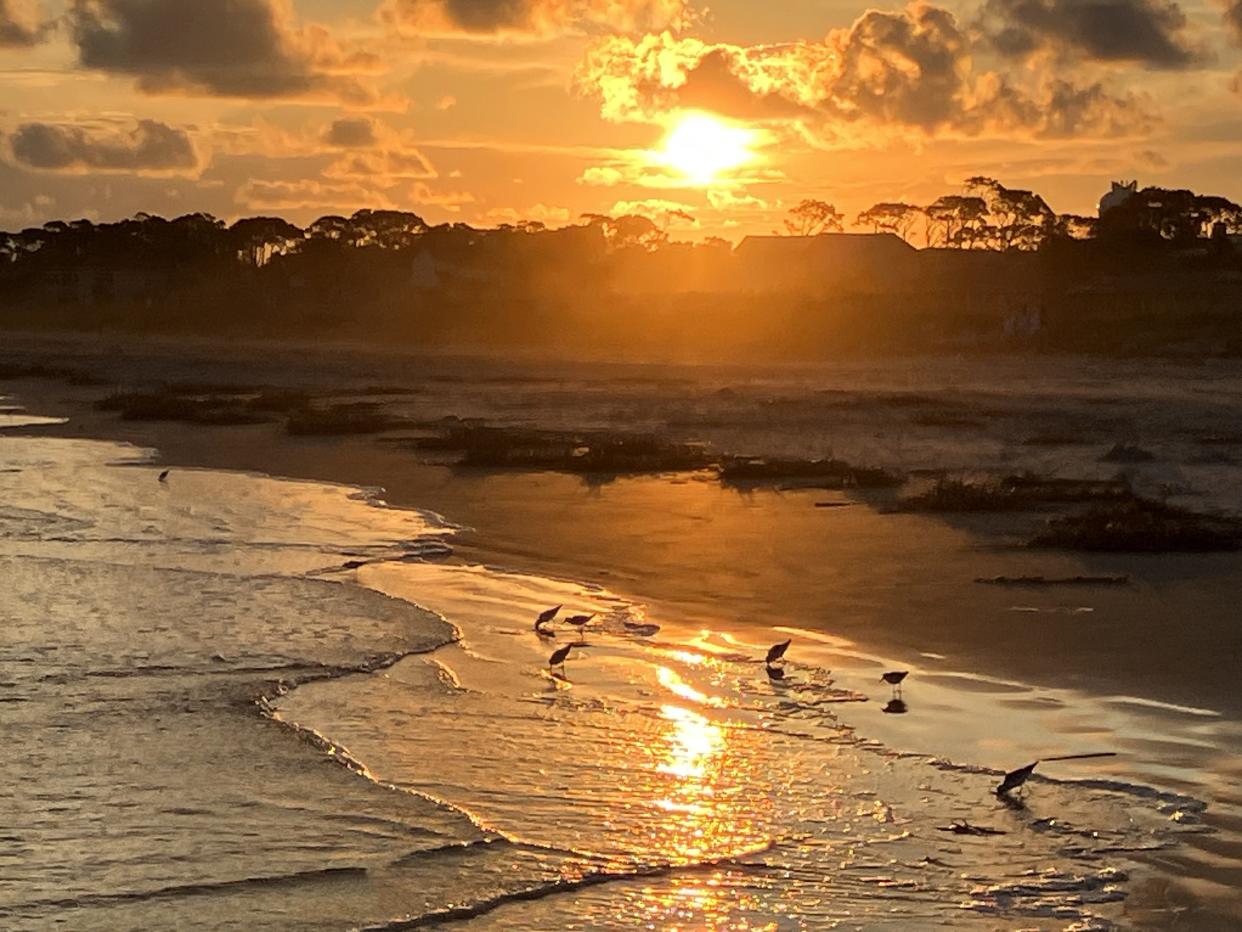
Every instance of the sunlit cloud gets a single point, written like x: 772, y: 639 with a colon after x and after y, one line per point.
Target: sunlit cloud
x: 537, y: 213
x: 666, y: 215
x: 912, y: 70
x: 309, y: 193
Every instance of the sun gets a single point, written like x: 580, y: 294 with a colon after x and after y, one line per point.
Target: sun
x: 702, y: 148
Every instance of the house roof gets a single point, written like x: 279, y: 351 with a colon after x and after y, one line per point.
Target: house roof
x: 853, y: 246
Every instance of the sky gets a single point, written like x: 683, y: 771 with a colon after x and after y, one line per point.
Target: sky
x: 712, y: 119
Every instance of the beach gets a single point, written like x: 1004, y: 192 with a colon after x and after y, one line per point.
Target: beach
x: 669, y: 781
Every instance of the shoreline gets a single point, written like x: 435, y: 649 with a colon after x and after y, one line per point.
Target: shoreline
x: 499, y: 513
x: 516, y: 543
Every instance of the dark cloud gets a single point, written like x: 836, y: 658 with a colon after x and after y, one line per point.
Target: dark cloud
x: 351, y: 133
x: 230, y: 48
x: 148, y: 147
x: 1149, y: 32
x: 909, y: 67
x: 21, y: 24
x: 535, y: 16
x: 714, y: 85
x: 1068, y: 110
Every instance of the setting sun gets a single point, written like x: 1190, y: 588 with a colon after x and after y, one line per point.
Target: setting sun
x: 702, y: 147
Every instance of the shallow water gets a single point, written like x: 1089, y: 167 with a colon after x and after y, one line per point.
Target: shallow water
x: 157, y: 634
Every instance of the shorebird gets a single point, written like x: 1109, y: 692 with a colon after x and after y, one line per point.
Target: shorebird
x: 894, y: 678
x: 545, y: 618
x: 164, y: 475
x: 580, y: 622
x: 558, y: 657
x: 1016, y: 778
x: 777, y: 651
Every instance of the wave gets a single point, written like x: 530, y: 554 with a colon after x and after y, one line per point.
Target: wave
x: 554, y: 888
x: 183, y: 890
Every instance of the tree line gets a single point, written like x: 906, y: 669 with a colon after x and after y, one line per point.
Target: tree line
x: 985, y: 215
x: 989, y: 215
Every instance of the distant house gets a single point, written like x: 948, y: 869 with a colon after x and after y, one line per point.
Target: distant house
x: 831, y: 263
x: 1121, y: 192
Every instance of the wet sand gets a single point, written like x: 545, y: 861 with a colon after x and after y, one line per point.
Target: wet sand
x: 1147, y: 668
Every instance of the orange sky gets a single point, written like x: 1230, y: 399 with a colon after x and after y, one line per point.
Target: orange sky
x: 490, y: 111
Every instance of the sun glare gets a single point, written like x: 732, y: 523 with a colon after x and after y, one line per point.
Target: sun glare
x: 702, y: 147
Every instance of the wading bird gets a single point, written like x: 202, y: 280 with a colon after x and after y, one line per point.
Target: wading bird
x: 1016, y: 778
x: 545, y: 619
x: 894, y: 678
x: 164, y: 475
x: 558, y: 657
x: 580, y: 622
x: 777, y: 652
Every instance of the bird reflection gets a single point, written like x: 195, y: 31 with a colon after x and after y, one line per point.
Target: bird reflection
x: 896, y: 706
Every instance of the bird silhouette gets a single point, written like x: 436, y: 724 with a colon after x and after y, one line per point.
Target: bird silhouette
x: 164, y: 475
x: 777, y: 651
x: 558, y: 656
x: 894, y: 678
x: 545, y: 619
x: 1015, y: 779
x: 580, y: 622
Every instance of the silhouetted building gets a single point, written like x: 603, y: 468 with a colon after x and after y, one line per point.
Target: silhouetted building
x: 831, y: 263
x: 1121, y: 192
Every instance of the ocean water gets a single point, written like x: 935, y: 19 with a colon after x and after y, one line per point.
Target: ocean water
x: 235, y: 701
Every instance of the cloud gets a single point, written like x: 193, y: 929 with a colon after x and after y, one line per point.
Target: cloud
x: 663, y: 213
x: 385, y: 166
x: 225, y: 48
x: 1068, y: 111
x: 150, y: 147
x: 539, y: 213
x: 21, y: 24
x: 534, y: 17
x: 372, y: 150
x: 308, y: 193
x: 351, y: 133
x: 908, y: 70
x: 1152, y: 33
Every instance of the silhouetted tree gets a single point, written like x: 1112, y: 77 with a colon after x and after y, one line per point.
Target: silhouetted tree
x: 1016, y: 219
x: 811, y: 218
x: 956, y: 221
x: 891, y: 217
x: 257, y: 239
x: 388, y: 229
x: 1074, y: 226
x: 630, y: 231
